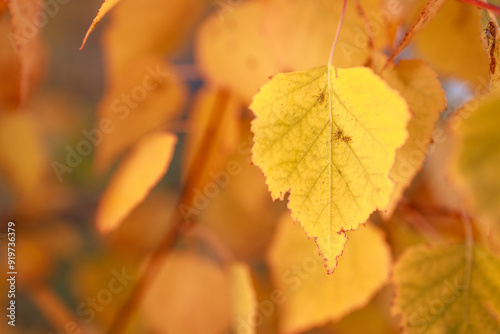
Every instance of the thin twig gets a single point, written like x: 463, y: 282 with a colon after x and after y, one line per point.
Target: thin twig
x: 423, y: 225
x: 362, y: 13
x: 207, y: 236
x: 55, y: 311
x: 335, y: 40
x: 483, y: 5
x: 179, y: 226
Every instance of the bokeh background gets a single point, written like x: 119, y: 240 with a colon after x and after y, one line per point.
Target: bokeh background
x: 72, y: 278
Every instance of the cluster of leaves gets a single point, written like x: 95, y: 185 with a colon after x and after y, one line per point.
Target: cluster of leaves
x: 392, y: 193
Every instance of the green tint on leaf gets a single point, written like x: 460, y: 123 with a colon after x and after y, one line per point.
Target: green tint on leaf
x: 477, y: 160
x: 432, y: 296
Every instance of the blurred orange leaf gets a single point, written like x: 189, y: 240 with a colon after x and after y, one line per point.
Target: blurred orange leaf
x: 243, y: 220
x: 231, y: 50
x: 135, y: 177
x: 3, y: 7
x: 147, y: 96
x: 26, y: 40
x: 190, y: 296
x: 147, y: 28
x: 299, y: 33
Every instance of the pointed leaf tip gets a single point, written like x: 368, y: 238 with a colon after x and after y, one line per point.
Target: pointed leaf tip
x: 106, y: 6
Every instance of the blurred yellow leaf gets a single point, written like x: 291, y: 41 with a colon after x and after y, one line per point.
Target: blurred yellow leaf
x: 191, y: 295
x: 300, y: 32
x: 231, y: 51
x: 106, y: 6
x: 374, y: 318
x: 135, y: 177
x: 243, y: 298
x: 432, y: 295
x: 23, y: 157
x: 148, y: 96
x: 331, y: 145
x: 476, y: 159
x: 419, y: 85
x: 311, y: 298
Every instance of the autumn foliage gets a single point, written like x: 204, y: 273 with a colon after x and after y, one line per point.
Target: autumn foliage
x: 251, y: 166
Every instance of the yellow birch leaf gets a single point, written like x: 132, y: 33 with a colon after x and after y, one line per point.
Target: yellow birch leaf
x: 419, y: 85
x: 300, y: 32
x: 311, y: 298
x: 213, y: 133
x: 231, y: 51
x: 332, y: 149
x: 432, y: 296
x: 452, y: 43
x: 190, y: 295
x: 476, y: 159
x: 106, y: 6
x: 133, y: 180
x: 144, y: 100
x: 243, y: 298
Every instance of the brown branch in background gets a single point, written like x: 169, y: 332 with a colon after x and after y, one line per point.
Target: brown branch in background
x: 177, y: 223
x: 437, y: 211
x: 362, y: 13
x: 421, y: 224
x: 207, y: 236
x: 428, y: 13
x: 431, y: 210
x: 56, y: 311
x: 483, y: 5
